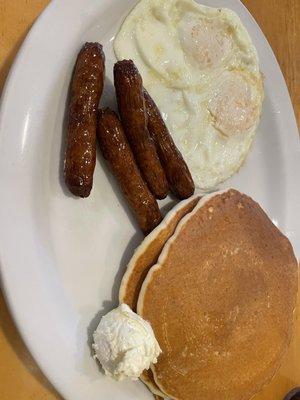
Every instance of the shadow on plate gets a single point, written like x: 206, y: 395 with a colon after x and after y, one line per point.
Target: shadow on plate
x: 109, y: 305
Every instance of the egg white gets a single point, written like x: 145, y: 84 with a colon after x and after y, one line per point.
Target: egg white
x: 201, y: 68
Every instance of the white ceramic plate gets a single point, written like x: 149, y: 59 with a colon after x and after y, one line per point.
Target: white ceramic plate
x: 62, y: 258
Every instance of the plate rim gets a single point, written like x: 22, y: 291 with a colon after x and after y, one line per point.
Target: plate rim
x: 14, y: 70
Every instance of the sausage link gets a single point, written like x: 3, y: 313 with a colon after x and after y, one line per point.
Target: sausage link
x: 86, y: 90
x: 177, y: 172
x: 117, y: 152
x: 131, y: 103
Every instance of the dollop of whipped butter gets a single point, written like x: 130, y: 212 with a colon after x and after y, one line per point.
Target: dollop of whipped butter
x: 125, y: 344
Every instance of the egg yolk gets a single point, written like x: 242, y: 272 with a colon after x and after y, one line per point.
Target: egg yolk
x: 207, y: 42
x: 232, y: 107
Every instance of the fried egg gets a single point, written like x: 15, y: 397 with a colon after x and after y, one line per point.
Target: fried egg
x: 201, y: 68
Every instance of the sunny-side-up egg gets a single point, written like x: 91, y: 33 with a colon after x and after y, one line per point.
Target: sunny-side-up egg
x: 201, y: 68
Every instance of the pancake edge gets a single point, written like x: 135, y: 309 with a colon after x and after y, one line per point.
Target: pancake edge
x: 203, y: 200
x: 149, y: 239
x: 169, y: 242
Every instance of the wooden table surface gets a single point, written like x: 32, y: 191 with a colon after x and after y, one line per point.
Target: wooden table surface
x: 20, y: 377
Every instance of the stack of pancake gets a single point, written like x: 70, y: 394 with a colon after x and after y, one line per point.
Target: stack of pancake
x: 218, y: 282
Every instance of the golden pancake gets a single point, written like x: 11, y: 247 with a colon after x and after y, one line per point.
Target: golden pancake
x: 221, y: 301
x: 147, y: 253
x: 288, y: 376
x: 148, y: 379
x: 144, y: 258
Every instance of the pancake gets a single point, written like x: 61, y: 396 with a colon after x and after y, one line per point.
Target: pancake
x: 144, y: 258
x: 147, y: 253
x: 148, y: 379
x: 221, y: 301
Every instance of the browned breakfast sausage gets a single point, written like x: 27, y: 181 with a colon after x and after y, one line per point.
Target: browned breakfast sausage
x: 176, y: 170
x: 85, y: 92
x: 117, y: 152
x: 129, y: 90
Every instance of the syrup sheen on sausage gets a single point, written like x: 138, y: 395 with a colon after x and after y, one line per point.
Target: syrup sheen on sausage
x: 176, y: 169
x: 131, y: 104
x: 85, y: 92
x: 117, y: 152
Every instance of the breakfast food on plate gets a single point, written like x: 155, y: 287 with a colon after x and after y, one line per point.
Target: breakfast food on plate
x: 117, y: 152
x: 176, y: 170
x: 207, y: 301
x: 220, y: 301
x: 219, y: 294
x: 125, y: 344
x: 131, y: 104
x: 201, y: 68
x: 144, y: 258
x: 147, y: 378
x: 146, y: 255
x: 85, y: 93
